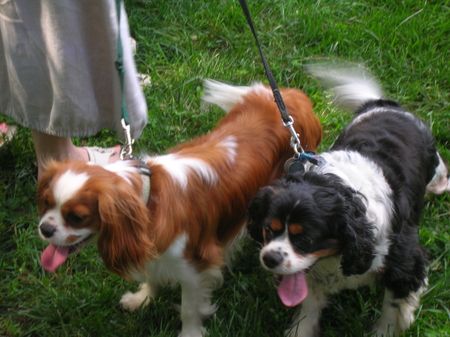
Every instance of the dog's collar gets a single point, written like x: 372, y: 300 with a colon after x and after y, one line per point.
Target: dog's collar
x: 145, y: 173
x: 302, y: 162
x: 145, y: 187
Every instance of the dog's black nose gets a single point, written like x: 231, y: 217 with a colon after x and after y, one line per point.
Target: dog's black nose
x: 272, y: 259
x: 47, y: 230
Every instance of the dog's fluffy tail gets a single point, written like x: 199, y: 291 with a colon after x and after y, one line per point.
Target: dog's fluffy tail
x: 351, y: 85
x: 225, y: 95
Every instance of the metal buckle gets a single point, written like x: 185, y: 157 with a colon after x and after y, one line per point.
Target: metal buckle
x: 295, y: 139
x: 127, y: 149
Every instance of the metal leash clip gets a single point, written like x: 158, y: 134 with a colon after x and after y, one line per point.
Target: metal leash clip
x: 298, y: 162
x: 295, y: 140
x: 126, y: 152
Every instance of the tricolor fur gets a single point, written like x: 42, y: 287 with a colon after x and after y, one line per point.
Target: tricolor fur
x: 353, y: 219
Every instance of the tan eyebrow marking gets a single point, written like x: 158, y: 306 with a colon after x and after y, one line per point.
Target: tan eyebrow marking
x: 295, y: 229
x: 276, y: 225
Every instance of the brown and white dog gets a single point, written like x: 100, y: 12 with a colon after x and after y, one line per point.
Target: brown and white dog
x: 198, y: 199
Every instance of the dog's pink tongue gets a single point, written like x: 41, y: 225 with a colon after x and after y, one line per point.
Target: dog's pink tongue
x: 293, y: 289
x: 53, y: 256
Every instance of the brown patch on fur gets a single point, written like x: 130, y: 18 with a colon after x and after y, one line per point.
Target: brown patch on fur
x: 216, y: 214
x: 71, y: 239
x: 125, y: 241
x: 325, y: 252
x: 44, y: 192
x: 212, y: 215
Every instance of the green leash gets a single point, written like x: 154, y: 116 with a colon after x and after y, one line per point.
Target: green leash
x: 127, y: 149
x: 126, y: 152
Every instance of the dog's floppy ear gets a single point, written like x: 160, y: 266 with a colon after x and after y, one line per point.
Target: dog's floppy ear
x: 124, y: 237
x: 258, y: 211
x: 356, y: 237
x: 347, y: 214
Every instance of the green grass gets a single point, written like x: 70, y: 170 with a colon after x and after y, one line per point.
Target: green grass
x: 404, y: 43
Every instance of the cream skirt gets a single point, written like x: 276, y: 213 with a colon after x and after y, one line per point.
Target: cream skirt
x: 57, y: 72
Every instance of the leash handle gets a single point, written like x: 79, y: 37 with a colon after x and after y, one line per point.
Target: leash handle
x: 288, y: 121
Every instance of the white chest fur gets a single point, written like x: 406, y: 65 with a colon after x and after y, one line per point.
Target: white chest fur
x: 170, y: 267
x: 327, y: 275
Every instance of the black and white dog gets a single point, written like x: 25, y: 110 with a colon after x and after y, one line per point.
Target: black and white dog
x: 353, y: 219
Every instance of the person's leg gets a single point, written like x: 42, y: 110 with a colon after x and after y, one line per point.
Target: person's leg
x: 48, y: 147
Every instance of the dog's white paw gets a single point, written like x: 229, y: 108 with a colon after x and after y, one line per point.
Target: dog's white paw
x: 193, y: 332
x: 298, y: 331
x: 384, y: 329
x: 381, y: 332
x: 133, y: 301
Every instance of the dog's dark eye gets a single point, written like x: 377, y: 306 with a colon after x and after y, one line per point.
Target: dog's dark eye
x: 45, y: 203
x: 74, y: 219
x: 268, y: 233
x: 303, y: 243
x: 272, y: 229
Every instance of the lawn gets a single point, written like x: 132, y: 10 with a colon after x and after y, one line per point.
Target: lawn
x: 404, y: 43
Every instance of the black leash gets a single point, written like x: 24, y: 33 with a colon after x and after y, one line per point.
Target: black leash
x: 297, y: 163
x: 273, y: 84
